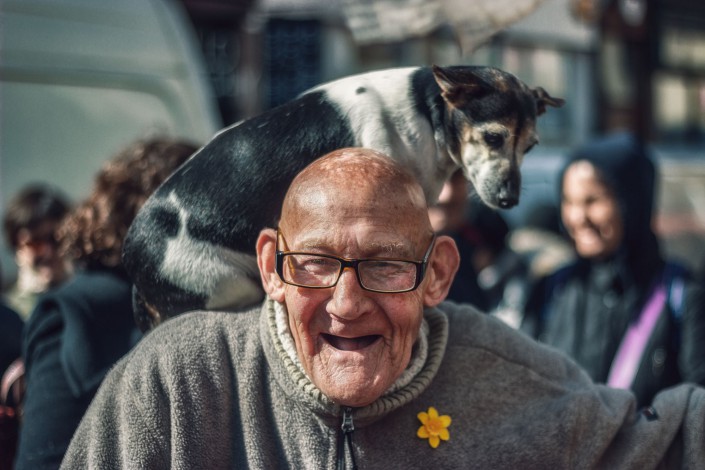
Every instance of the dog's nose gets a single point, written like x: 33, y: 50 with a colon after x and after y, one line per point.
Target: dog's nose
x: 508, y: 195
x: 508, y: 202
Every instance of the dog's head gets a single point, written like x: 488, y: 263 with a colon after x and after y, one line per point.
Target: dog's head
x: 492, y: 117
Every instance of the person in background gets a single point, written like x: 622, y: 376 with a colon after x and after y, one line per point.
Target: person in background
x: 629, y: 317
x: 541, y: 242
x: 353, y: 360
x: 448, y: 216
x: 11, y: 382
x: 10, y: 336
x: 30, y: 222
x: 79, y: 330
x: 491, y: 276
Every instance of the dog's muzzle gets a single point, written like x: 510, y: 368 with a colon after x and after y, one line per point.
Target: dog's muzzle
x: 508, y: 195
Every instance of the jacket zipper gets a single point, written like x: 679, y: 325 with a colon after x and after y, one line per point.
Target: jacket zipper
x: 347, y: 429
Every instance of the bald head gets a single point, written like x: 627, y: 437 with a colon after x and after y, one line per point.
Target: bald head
x: 354, y: 181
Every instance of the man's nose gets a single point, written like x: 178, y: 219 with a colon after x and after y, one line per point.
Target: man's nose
x: 348, y: 296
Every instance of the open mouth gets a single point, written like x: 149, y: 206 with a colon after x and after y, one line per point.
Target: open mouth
x: 350, y: 344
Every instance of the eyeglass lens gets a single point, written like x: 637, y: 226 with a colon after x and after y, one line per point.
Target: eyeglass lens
x: 320, y: 271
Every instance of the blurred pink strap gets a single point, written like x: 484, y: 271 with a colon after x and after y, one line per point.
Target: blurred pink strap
x: 626, y: 361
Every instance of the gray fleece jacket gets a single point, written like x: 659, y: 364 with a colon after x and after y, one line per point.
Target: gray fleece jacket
x: 217, y: 390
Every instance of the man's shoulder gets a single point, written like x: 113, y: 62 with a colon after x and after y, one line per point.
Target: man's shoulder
x: 202, y: 327
x: 473, y: 332
x: 476, y: 328
x: 195, y: 344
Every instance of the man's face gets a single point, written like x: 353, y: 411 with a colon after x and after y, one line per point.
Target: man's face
x: 38, y: 257
x: 450, y: 211
x: 353, y: 343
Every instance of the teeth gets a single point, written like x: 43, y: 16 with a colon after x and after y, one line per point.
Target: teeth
x: 350, y: 344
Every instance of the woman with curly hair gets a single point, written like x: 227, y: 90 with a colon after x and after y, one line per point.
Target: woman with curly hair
x: 78, y: 331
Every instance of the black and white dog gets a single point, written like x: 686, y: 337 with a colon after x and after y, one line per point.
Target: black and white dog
x: 192, y: 244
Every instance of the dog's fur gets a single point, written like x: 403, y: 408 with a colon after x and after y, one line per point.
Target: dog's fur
x: 192, y: 244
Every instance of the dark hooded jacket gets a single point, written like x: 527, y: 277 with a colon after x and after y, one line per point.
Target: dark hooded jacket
x: 586, y: 308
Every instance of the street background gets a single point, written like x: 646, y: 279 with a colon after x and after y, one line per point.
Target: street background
x: 80, y: 78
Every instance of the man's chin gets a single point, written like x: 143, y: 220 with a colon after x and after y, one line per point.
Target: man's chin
x: 354, y: 373
x: 354, y: 397
x: 353, y: 385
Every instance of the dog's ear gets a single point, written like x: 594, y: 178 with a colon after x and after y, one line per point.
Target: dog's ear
x: 459, y: 85
x: 543, y: 99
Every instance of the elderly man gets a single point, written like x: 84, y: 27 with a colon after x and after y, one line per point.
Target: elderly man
x: 353, y: 361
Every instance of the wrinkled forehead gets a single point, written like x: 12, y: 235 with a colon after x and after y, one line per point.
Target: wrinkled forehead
x: 326, y: 202
x: 329, y: 211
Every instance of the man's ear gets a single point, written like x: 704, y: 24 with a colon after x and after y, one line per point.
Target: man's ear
x: 441, y: 270
x: 266, y: 259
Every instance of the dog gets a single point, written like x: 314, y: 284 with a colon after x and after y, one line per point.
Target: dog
x: 191, y: 245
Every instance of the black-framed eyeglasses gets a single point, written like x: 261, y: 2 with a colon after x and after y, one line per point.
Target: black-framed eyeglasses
x: 317, y: 271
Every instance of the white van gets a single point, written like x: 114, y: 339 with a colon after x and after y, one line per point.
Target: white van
x: 79, y: 79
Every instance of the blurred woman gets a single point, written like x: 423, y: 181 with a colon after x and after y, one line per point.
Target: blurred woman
x: 630, y: 318
x: 77, y: 332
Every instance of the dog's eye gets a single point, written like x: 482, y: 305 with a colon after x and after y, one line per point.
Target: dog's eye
x: 493, y: 140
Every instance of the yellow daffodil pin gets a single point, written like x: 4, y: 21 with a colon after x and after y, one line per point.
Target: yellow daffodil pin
x: 433, y: 427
